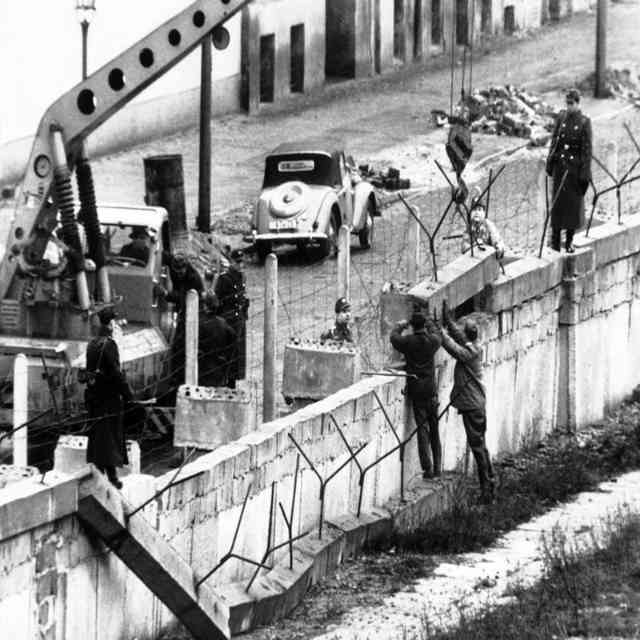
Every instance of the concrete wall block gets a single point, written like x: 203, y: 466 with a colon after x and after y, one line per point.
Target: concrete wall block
x: 316, y: 370
x: 580, y: 262
x: 208, y: 417
x: 70, y: 455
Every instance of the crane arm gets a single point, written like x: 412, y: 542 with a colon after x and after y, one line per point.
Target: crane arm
x: 73, y: 116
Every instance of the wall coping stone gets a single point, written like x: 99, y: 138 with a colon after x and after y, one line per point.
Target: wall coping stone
x: 611, y: 241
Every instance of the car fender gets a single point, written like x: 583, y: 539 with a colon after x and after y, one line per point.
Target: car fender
x: 361, y: 194
x: 324, y: 210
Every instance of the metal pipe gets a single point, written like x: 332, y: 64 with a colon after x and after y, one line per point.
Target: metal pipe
x: 204, y: 173
x: 191, y: 338
x: 601, y: 49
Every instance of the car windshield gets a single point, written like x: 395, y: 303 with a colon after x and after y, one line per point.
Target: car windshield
x: 317, y: 169
x: 126, y: 241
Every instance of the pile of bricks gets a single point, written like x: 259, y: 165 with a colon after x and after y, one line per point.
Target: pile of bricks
x: 506, y: 110
x: 622, y: 83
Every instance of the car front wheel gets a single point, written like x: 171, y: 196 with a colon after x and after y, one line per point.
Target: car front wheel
x: 329, y: 246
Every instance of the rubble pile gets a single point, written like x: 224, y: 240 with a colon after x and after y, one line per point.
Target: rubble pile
x: 621, y: 83
x: 391, y: 180
x: 506, y: 110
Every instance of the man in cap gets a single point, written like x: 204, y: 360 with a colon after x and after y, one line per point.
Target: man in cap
x: 234, y: 306
x: 216, y: 345
x: 138, y: 248
x: 419, y: 349
x: 341, y: 331
x: 107, y: 389
x: 468, y: 395
x: 570, y: 156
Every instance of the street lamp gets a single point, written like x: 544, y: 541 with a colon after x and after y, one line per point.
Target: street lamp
x: 84, y: 12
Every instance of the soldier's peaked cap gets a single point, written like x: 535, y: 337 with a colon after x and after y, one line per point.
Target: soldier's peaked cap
x: 573, y: 94
x: 106, y: 315
x: 342, y: 304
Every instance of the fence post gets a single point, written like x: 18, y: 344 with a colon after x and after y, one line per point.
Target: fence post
x: 413, y: 258
x: 269, y: 379
x: 20, y: 409
x: 344, y: 262
x: 191, y: 338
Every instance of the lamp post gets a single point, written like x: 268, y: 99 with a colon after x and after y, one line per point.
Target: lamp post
x: 84, y: 12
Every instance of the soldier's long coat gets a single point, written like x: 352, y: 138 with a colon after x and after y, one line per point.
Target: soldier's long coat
x: 570, y: 152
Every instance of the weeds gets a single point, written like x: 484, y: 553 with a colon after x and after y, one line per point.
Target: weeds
x: 589, y: 589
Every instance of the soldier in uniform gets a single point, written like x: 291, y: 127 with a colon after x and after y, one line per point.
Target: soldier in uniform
x: 570, y: 153
x: 107, y: 390
x: 216, y: 345
x: 234, y: 305
x: 341, y: 331
x: 419, y: 349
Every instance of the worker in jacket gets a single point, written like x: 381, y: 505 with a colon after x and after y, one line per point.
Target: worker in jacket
x: 106, y: 392
x: 569, y: 159
x: 234, y: 306
x: 468, y: 395
x: 216, y: 345
x: 419, y: 349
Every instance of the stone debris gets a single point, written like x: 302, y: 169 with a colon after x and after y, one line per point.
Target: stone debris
x: 391, y: 180
x: 507, y: 110
x: 620, y: 83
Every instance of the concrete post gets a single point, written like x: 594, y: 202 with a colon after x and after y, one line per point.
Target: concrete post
x: 601, y: 49
x: 191, y: 339
x: 269, y: 380
x: 20, y: 409
x: 344, y: 262
x: 413, y: 253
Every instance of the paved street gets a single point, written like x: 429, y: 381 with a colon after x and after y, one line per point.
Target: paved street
x: 368, y: 116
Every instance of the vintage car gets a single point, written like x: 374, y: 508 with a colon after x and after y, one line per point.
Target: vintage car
x: 307, y: 194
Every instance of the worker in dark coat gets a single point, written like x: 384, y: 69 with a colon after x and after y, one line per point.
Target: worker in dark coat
x: 341, y: 331
x: 138, y: 248
x: 234, y: 306
x: 183, y: 278
x: 570, y: 154
x: 419, y: 349
x: 216, y: 345
x: 107, y: 390
x: 468, y: 395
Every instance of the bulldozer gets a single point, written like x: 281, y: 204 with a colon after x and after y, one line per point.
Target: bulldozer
x: 65, y: 257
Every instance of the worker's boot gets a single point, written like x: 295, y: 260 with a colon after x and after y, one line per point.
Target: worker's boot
x: 568, y: 244
x: 113, y: 477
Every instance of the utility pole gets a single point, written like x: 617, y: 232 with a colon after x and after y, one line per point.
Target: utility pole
x: 601, y: 49
x: 204, y: 192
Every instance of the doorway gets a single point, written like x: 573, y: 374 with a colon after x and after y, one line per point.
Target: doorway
x: 340, y: 29
x: 462, y: 23
x: 297, y: 58
x: 418, y: 28
x: 509, y: 20
x: 399, y: 43
x: 485, y: 19
x: 267, y: 67
x: 436, y: 22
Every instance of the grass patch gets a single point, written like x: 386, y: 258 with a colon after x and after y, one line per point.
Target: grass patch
x: 530, y: 483
x: 590, y: 589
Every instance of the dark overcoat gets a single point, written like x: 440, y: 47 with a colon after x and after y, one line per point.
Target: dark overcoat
x: 570, y: 152
x: 106, y: 391
x: 234, y: 305
x: 216, y: 350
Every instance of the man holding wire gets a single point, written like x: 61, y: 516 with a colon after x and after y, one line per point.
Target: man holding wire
x: 419, y: 348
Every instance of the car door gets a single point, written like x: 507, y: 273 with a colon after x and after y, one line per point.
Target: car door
x: 345, y: 193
